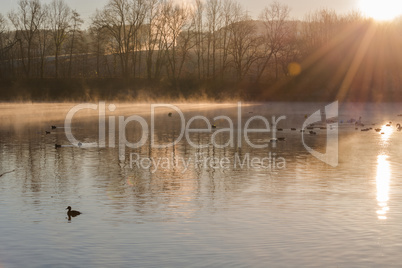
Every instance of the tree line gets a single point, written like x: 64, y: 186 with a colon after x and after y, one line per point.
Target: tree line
x: 212, y: 40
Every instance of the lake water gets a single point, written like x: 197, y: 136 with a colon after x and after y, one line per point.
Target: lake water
x: 196, y: 211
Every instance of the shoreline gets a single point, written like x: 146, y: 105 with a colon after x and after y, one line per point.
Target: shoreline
x: 50, y: 90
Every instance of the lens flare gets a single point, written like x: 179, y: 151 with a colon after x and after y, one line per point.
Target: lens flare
x: 294, y: 68
x: 130, y: 181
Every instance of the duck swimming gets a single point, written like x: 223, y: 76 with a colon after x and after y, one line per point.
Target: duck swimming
x: 359, y: 122
x: 72, y: 213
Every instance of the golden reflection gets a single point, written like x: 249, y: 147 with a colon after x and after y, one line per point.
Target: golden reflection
x: 387, y: 130
x: 383, y: 181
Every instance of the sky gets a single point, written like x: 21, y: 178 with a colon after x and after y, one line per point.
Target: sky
x: 298, y: 7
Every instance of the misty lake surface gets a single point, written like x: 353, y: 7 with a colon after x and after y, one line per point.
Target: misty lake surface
x: 202, y: 207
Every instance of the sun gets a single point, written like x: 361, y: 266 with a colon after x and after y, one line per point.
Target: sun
x: 381, y: 10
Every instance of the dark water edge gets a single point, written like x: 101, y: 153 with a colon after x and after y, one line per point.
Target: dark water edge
x: 299, y: 89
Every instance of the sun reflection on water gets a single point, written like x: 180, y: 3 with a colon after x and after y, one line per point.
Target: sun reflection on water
x: 386, y: 132
x: 383, y: 181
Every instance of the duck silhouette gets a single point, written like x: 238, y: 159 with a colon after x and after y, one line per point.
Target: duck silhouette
x: 72, y: 213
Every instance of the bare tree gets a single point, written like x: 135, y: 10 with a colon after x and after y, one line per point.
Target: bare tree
x: 289, y: 51
x: 26, y: 21
x: 277, y: 32
x: 99, y: 44
x: 8, y: 48
x: 75, y: 29
x: 60, y: 21
x: 153, y: 42
x: 139, y: 10
x: 354, y: 16
x: 177, y: 31
x: 3, y: 24
x: 245, y: 43
x: 318, y: 29
x: 226, y: 16
x: 198, y: 18
x: 3, y: 30
x: 122, y: 20
x: 44, y: 41
x: 213, y: 24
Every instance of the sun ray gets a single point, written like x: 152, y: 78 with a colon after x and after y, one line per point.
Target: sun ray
x: 354, y: 67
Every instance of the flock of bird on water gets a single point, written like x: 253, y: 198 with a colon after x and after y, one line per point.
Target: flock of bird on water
x: 311, y: 127
x: 74, y: 213
x: 358, y: 123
